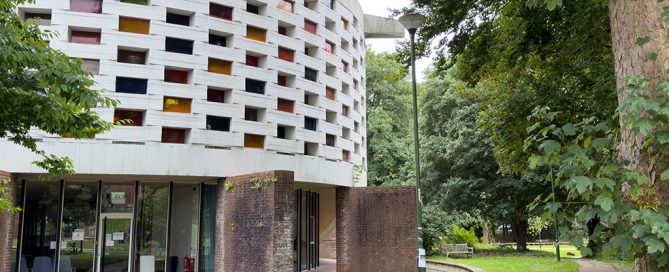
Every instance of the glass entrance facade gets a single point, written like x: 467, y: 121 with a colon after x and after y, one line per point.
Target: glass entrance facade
x: 114, y: 226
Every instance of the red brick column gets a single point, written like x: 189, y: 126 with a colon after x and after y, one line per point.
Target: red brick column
x: 255, y: 216
x: 377, y: 229
x: 6, y: 226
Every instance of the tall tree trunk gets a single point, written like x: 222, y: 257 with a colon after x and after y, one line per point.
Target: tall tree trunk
x: 486, y: 232
x: 632, y: 19
x: 519, y: 228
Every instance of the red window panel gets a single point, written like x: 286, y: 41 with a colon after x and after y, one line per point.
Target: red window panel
x: 346, y: 155
x: 310, y: 26
x: 286, y: 105
x: 329, y: 47
x: 286, y: 54
x: 220, y: 11
x: 88, y: 6
x: 330, y: 93
x: 85, y: 37
x: 176, y: 76
x: 174, y: 136
x: 282, y: 80
x: 252, y: 61
x: 217, y: 96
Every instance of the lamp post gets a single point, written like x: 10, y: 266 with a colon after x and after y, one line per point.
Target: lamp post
x: 412, y: 22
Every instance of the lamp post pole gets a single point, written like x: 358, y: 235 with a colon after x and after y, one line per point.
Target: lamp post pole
x: 412, y: 22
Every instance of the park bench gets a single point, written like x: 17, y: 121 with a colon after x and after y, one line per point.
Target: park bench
x: 449, y: 249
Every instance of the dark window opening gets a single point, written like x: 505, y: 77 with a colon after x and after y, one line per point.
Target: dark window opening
x: 178, y: 46
x: 176, y: 76
x: 253, y: 9
x: 220, y: 11
x: 178, y: 19
x: 330, y: 140
x: 218, y: 40
x: 173, y: 136
x: 310, y: 123
x: 128, y: 118
x: 134, y: 57
x: 218, y: 123
x: 310, y: 74
x: 255, y: 86
x: 131, y: 85
x: 251, y: 114
x: 281, y: 132
x: 217, y: 96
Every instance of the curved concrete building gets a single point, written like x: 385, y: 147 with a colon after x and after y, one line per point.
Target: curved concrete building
x: 219, y: 94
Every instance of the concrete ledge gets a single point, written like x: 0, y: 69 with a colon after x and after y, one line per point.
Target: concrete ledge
x: 450, y: 267
x: 379, y: 27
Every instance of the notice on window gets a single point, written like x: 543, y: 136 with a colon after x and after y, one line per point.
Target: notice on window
x: 118, y: 198
x: 118, y: 236
x: 78, y: 235
x: 52, y: 245
x: 108, y: 240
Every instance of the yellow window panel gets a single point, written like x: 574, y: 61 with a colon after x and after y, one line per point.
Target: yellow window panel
x: 175, y: 104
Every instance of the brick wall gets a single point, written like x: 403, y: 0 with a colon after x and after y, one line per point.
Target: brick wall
x: 6, y: 226
x: 377, y: 229
x: 255, y: 225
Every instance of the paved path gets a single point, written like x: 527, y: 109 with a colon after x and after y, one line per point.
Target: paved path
x: 597, y: 266
x: 326, y: 265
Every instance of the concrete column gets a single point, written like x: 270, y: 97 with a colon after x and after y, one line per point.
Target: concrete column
x: 7, y: 221
x: 377, y: 229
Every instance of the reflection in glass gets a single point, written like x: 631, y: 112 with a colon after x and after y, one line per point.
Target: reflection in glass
x: 78, y: 227
x: 115, y: 224
x: 18, y: 198
x: 40, y: 224
x: 207, y: 228
x: 184, y: 227
x: 151, y: 231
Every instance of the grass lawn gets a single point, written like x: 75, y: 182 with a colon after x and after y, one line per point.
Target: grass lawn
x: 564, y: 249
x: 512, y: 263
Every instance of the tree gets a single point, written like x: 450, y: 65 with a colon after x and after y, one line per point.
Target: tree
x: 388, y: 131
x: 461, y: 174
x: 42, y: 88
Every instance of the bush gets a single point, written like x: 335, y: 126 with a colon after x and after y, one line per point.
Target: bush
x: 458, y: 235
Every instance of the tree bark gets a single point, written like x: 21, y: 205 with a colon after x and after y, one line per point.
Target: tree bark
x: 519, y: 228
x: 486, y: 232
x: 630, y: 20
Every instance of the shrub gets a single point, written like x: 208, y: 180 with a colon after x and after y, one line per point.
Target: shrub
x: 458, y: 235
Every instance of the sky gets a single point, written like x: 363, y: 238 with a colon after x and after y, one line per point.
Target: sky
x: 380, y: 8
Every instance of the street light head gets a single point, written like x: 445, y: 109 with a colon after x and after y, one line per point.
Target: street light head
x: 412, y: 21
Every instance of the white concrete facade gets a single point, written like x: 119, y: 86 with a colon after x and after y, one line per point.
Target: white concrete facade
x: 139, y: 150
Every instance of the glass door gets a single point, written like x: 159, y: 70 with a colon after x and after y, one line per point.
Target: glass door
x: 115, y: 242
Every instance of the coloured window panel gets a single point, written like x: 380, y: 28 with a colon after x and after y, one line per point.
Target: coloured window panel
x: 330, y: 93
x: 254, y: 141
x: 220, y: 11
x: 252, y: 61
x: 251, y: 114
x: 286, y: 54
x: 286, y: 6
x: 218, y: 123
x: 176, y: 76
x: 133, y: 25
x: 282, y: 81
x: 85, y: 37
x: 286, y: 105
x: 215, y: 96
x: 310, y: 27
x: 344, y: 24
x: 256, y: 34
x: 346, y: 155
x: 134, y: 57
x: 220, y: 66
x: 88, y: 6
x: 176, y: 104
x: 129, y: 118
x: 131, y: 85
x: 329, y: 47
x: 174, y: 136
x: 330, y: 140
x: 283, y: 30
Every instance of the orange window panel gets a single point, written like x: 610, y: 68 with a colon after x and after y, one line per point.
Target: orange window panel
x: 254, y: 141
x: 286, y: 105
x: 256, y: 34
x: 176, y: 104
x: 133, y: 25
x: 330, y: 93
x: 310, y: 26
x: 344, y: 24
x: 286, y: 6
x: 286, y: 54
x: 220, y: 66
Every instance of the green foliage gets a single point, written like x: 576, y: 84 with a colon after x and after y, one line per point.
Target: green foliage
x: 389, y: 123
x: 43, y: 88
x: 437, y: 223
x: 619, y: 195
x: 458, y: 235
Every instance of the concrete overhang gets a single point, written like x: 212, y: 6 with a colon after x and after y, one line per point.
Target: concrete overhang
x: 377, y: 27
